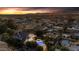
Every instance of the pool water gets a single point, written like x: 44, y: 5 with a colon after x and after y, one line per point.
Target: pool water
x: 65, y: 43
x: 40, y: 43
x: 68, y: 44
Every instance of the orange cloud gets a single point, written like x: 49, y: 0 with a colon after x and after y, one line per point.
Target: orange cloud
x: 16, y: 11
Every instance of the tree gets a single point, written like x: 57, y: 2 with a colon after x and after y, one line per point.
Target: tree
x: 39, y: 33
x: 3, y: 28
x: 11, y: 24
x: 31, y: 44
x: 10, y: 31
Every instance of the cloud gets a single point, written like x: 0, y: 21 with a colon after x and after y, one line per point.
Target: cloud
x: 45, y: 9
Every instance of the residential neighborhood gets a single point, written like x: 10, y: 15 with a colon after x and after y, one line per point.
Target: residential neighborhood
x: 39, y: 29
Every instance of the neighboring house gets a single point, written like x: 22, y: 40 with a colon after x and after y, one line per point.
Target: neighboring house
x: 24, y: 20
x: 74, y: 48
x: 66, y: 35
x: 75, y: 35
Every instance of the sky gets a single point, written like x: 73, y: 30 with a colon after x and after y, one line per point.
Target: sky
x: 26, y: 10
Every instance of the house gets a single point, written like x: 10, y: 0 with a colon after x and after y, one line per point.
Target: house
x: 74, y: 48
x: 75, y: 35
x: 31, y: 37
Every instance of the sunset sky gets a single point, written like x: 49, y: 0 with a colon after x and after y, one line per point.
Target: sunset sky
x: 26, y: 10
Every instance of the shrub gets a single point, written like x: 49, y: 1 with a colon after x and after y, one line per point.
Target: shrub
x: 39, y: 48
x: 5, y: 37
x: 31, y: 44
